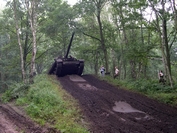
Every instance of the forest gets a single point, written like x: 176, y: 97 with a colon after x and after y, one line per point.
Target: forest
x: 137, y: 36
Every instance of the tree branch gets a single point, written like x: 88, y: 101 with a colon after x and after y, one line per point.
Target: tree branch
x: 91, y: 36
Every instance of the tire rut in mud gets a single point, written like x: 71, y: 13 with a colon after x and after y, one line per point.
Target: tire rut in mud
x: 13, y: 121
x: 111, y: 109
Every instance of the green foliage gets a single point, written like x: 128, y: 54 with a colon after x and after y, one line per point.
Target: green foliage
x: 15, y: 90
x: 169, y: 98
x: 151, y: 88
x: 6, y: 96
x: 46, y: 102
x: 128, y: 36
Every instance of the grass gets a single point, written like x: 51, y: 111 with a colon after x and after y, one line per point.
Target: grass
x: 150, y: 88
x: 48, y: 104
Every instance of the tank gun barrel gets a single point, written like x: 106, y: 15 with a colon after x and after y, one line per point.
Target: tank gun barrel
x: 66, y: 56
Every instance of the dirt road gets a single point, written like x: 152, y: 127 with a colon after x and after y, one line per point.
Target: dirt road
x: 13, y: 120
x: 108, y: 109
x: 115, y: 110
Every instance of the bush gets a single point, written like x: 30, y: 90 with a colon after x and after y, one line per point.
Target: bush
x: 15, y: 91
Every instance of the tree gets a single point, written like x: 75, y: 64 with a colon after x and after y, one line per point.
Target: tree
x: 32, y: 6
x: 19, y: 40
x: 128, y: 19
x: 173, y: 3
x: 94, y: 9
x: 162, y: 16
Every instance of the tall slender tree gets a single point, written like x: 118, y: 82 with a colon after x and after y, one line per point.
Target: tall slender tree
x: 19, y: 40
x: 32, y: 6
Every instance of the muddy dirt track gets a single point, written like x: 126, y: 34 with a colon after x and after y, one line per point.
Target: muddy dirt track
x: 107, y: 108
x: 114, y: 110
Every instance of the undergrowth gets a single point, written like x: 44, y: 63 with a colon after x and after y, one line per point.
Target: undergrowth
x: 150, y: 88
x: 47, y: 103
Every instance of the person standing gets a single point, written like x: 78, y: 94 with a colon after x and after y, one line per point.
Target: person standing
x: 102, y: 71
x: 161, y: 77
x: 116, y: 73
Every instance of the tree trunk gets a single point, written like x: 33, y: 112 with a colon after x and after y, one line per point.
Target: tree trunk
x: 33, y: 23
x: 19, y: 42
x: 125, y: 39
x: 103, y: 42
x: 26, y: 47
x: 165, y: 43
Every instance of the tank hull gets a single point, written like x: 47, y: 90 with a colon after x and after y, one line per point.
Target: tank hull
x: 62, y: 67
x: 67, y: 65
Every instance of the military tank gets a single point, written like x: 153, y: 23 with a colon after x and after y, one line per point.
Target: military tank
x: 67, y: 65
